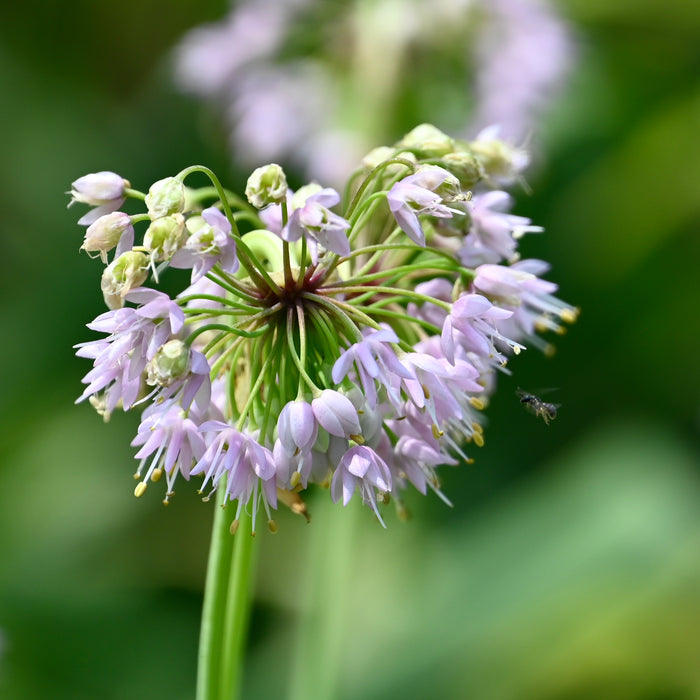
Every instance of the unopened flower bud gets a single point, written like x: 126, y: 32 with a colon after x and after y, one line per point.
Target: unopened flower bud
x: 169, y: 364
x: 165, y: 236
x: 267, y: 185
x: 100, y: 188
x: 165, y: 197
x: 464, y: 166
x: 105, y: 233
x: 500, y: 161
x: 427, y: 141
x: 128, y: 271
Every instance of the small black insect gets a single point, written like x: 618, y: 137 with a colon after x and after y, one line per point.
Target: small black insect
x: 534, y: 404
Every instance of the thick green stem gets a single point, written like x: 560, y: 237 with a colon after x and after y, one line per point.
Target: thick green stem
x: 226, y: 610
x: 235, y: 631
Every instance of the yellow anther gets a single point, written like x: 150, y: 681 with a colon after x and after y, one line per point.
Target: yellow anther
x: 358, y: 439
x: 426, y: 392
x: 156, y: 474
x: 140, y: 489
x: 437, y: 433
x: 296, y: 477
x: 137, y: 476
x: 478, y: 428
x: 569, y: 315
x: 516, y: 349
x: 478, y: 439
x: 234, y: 527
x: 272, y: 526
x: 549, y: 350
x: 477, y: 403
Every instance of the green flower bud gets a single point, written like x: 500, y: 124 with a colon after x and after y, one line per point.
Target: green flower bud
x: 168, y: 364
x: 464, y: 166
x: 267, y: 185
x: 165, y: 236
x: 129, y: 270
x: 165, y: 197
x: 427, y: 141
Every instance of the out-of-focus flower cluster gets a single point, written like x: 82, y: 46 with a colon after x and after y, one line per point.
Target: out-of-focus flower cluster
x: 348, y: 342
x: 286, y: 96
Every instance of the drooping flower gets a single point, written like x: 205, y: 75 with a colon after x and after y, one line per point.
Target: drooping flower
x: 174, y: 441
x: 107, y: 232
x: 210, y: 242
x: 361, y: 469
x: 244, y: 466
x: 422, y: 194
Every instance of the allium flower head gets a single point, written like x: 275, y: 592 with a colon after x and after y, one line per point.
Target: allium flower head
x: 319, y: 341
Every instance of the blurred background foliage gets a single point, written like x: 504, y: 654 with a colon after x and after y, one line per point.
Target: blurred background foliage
x: 570, y: 565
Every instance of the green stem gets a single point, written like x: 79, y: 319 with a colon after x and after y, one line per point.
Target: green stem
x: 226, y: 611
x: 211, y: 630
x: 237, y: 616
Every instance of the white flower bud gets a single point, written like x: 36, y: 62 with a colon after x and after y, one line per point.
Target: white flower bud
x: 267, y: 185
x: 128, y: 271
x: 165, y: 197
x: 105, y: 233
x: 427, y: 141
x: 165, y: 236
x: 100, y: 188
x: 501, y: 161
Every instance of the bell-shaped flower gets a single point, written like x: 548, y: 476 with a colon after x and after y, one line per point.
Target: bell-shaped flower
x: 362, y: 469
x: 210, y: 242
x: 245, y: 466
x: 296, y: 427
x: 422, y: 193
x: 336, y: 414
x: 174, y: 441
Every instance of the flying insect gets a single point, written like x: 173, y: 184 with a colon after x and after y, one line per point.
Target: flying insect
x: 534, y: 404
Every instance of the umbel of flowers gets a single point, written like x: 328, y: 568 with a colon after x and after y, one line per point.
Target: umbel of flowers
x: 351, y: 342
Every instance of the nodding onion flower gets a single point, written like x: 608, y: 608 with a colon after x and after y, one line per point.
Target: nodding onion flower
x: 313, y: 340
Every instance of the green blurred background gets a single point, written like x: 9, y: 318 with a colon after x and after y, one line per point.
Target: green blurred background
x: 569, y: 567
